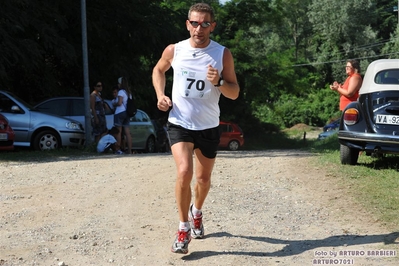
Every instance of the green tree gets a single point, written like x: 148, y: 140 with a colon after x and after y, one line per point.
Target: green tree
x: 391, y: 48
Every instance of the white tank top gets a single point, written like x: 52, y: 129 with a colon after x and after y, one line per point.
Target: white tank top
x: 195, y: 99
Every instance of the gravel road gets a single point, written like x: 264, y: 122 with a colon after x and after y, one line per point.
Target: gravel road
x: 264, y: 208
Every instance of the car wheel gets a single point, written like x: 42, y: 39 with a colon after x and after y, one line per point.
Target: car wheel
x: 234, y: 145
x: 150, y: 146
x: 46, y: 140
x: 348, y: 155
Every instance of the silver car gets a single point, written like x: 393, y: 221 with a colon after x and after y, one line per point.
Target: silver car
x: 141, y: 128
x: 143, y: 132
x: 38, y: 130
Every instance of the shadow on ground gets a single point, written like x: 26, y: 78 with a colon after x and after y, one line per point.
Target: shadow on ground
x: 295, y: 247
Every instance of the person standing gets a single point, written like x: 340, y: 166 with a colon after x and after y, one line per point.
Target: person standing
x: 121, y: 119
x: 203, y: 69
x: 349, y: 91
x: 99, y: 123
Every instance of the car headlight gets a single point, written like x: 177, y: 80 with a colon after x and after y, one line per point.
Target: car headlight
x: 73, y: 126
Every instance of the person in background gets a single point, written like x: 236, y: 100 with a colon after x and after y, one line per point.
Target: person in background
x: 203, y: 69
x: 349, y: 91
x: 97, y: 107
x: 121, y: 119
x: 108, y: 141
x: 114, y: 101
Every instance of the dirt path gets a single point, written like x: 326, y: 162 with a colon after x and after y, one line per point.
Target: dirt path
x: 264, y: 208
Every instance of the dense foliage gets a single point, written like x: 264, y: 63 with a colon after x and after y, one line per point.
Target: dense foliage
x: 286, y: 51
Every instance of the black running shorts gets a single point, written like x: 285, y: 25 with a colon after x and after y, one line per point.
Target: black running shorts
x: 206, y: 140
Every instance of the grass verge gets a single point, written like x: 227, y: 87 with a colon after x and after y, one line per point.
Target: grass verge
x: 374, y: 182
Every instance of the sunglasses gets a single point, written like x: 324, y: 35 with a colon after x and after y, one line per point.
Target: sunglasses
x: 204, y: 24
x: 98, y: 86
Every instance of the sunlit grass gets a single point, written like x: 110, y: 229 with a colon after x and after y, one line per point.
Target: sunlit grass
x: 373, y: 182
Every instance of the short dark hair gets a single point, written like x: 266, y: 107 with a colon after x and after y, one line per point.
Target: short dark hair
x: 203, y: 8
x: 355, y: 64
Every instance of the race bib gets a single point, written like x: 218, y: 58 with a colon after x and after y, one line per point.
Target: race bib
x: 194, y: 85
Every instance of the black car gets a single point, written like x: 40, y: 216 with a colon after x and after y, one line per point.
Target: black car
x: 371, y: 124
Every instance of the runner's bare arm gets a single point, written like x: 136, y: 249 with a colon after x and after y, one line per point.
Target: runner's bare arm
x: 159, y: 78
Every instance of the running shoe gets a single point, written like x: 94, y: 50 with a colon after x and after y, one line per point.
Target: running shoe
x: 197, y: 228
x: 180, y: 245
x: 119, y: 152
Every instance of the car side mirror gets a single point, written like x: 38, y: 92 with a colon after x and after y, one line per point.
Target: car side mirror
x: 15, y: 109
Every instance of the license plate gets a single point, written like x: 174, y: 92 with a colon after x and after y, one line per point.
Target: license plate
x: 387, y: 119
x: 3, y: 136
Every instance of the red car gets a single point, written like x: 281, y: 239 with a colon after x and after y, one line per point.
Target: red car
x: 231, y: 136
x: 7, y: 135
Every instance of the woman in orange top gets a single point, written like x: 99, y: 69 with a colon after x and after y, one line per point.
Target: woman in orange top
x: 350, y: 90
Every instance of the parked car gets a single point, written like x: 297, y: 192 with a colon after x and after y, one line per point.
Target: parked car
x: 38, y: 130
x: 141, y: 127
x: 329, y: 130
x: 7, y: 135
x: 327, y: 134
x: 371, y: 124
x: 73, y: 108
x: 231, y: 136
x: 143, y: 132
x: 334, y: 125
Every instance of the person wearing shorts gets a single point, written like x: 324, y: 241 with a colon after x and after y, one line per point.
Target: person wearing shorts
x: 203, y: 69
x: 121, y: 119
x: 97, y: 106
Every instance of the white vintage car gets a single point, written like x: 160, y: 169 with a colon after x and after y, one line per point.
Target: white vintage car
x: 371, y: 124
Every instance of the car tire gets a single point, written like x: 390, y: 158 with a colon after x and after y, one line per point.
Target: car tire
x: 348, y: 155
x: 46, y: 140
x: 233, y: 145
x: 150, y: 145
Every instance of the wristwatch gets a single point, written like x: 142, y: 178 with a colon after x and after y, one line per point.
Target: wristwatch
x: 220, y: 82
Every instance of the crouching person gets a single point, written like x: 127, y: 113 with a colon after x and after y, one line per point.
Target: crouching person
x: 108, y: 142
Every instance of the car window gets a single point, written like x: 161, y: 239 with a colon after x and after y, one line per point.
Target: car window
x: 145, y: 117
x: 6, y: 104
x: 137, y: 117
x: 389, y: 76
x: 57, y: 107
x: 77, y: 107
x: 225, y: 128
